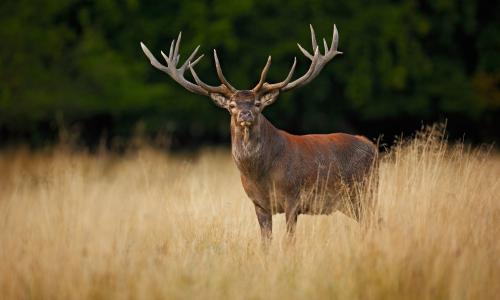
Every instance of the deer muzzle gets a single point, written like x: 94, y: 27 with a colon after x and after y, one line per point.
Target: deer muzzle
x: 245, y: 118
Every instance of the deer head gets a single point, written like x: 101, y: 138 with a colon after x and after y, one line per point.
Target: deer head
x: 244, y: 106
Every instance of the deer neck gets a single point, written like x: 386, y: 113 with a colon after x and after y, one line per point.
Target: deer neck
x: 253, y: 148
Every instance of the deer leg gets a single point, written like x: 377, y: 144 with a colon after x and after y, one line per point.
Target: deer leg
x: 291, y: 216
x: 265, y: 219
x: 355, y: 201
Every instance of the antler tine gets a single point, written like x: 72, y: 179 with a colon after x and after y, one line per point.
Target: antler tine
x: 184, y: 65
x: 279, y: 85
x: 305, y: 52
x: 171, y: 52
x: 313, y: 37
x: 176, y: 49
x: 335, y: 40
x: 221, y: 75
x: 263, y: 75
x: 165, y: 57
x: 208, y: 88
x: 196, y: 61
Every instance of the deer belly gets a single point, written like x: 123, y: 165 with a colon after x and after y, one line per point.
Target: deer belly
x: 316, y: 189
x: 321, y: 198
x: 277, y: 207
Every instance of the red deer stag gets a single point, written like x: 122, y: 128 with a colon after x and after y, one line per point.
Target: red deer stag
x: 280, y: 172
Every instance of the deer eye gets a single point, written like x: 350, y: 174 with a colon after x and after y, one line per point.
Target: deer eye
x: 232, y: 105
x: 257, y: 104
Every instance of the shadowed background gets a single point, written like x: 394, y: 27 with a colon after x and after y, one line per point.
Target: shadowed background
x: 78, y: 65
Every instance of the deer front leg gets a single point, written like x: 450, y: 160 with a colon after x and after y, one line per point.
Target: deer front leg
x: 265, y: 219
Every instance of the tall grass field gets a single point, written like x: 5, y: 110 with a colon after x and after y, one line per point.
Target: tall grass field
x: 154, y: 225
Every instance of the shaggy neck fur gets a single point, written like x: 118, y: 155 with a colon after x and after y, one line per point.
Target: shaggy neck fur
x: 254, y: 147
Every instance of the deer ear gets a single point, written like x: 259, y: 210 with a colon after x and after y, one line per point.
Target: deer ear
x: 220, y: 100
x: 269, y: 97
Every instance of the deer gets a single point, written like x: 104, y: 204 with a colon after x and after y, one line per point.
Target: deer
x: 280, y: 172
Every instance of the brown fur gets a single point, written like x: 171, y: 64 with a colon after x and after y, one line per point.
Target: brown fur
x: 294, y: 174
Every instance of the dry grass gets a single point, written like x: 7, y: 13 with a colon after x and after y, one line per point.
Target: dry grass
x: 157, y: 226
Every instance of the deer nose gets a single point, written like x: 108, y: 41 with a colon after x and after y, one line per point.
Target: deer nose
x: 245, y: 116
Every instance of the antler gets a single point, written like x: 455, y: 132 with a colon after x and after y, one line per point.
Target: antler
x: 177, y: 74
x: 171, y: 68
x: 318, y: 61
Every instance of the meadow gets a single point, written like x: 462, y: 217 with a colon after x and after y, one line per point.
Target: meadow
x: 148, y: 224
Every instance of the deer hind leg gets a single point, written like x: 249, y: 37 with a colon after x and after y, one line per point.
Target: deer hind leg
x: 353, y: 204
x: 265, y: 219
x: 291, y: 216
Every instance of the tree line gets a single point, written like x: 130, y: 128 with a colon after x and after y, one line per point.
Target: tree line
x: 77, y: 64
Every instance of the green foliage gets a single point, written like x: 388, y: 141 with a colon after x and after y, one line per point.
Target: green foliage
x: 70, y: 61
